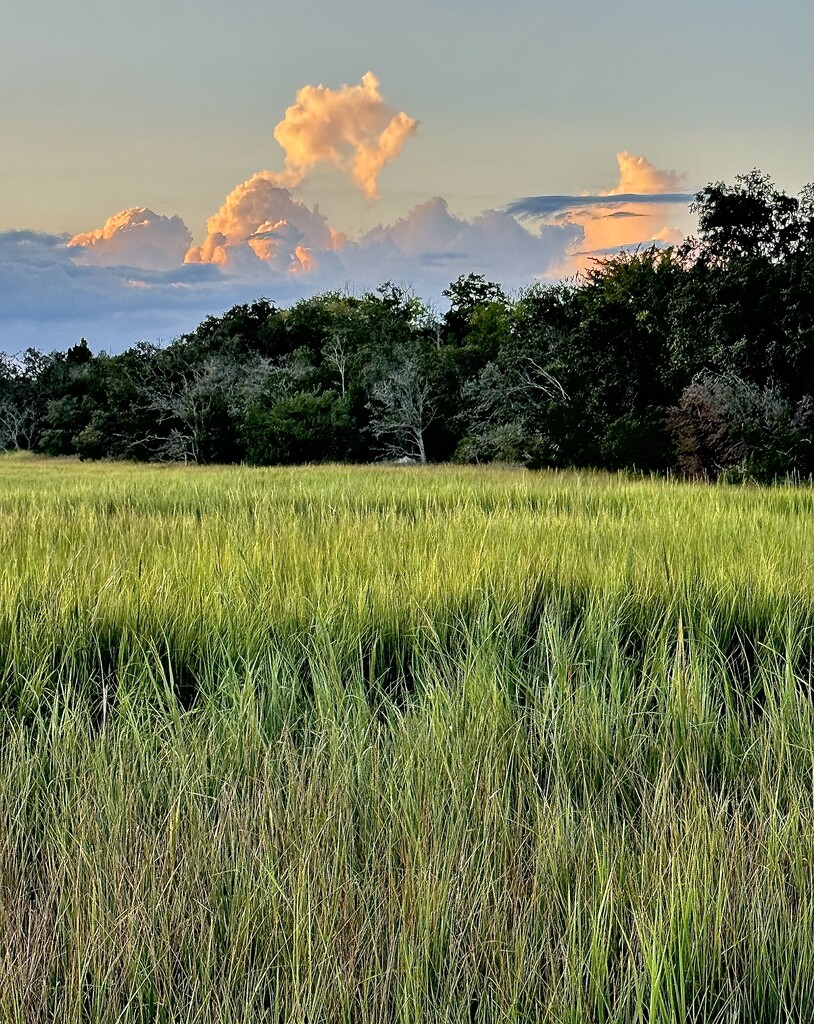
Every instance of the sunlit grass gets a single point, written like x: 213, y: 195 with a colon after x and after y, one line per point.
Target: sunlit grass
x: 385, y: 744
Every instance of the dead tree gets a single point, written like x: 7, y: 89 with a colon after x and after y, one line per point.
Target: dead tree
x: 401, y: 409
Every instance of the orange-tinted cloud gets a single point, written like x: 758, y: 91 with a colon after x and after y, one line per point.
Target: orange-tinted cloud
x: 637, y: 176
x: 351, y: 128
x: 260, y: 216
x: 136, y: 237
x: 303, y: 261
x: 612, y: 228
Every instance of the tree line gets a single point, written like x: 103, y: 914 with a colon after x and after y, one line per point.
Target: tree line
x: 697, y: 358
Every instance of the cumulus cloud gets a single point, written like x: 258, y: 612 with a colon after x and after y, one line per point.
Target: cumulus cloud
x: 260, y: 220
x: 136, y: 237
x: 638, y: 176
x: 351, y: 128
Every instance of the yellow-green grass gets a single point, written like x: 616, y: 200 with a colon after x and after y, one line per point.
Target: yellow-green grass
x: 403, y: 744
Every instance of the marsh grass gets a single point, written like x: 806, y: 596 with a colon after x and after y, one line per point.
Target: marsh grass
x: 372, y: 745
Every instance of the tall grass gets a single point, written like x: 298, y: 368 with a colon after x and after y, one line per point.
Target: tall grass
x: 374, y: 745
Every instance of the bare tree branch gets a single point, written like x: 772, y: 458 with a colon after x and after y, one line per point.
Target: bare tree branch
x: 18, y: 426
x: 402, y: 408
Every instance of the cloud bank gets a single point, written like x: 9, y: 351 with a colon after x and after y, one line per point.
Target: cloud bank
x: 141, y: 276
x: 51, y: 295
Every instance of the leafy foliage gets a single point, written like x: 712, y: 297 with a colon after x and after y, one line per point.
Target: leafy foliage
x: 725, y: 425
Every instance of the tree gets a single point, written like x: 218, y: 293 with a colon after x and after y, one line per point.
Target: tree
x: 303, y: 427
x: 401, y: 409
x: 467, y: 295
x: 256, y: 328
x: 750, y: 219
x: 745, y: 302
x: 18, y: 425
x: 507, y: 406
x: 79, y: 354
x: 19, y: 416
x: 336, y: 353
x: 200, y: 405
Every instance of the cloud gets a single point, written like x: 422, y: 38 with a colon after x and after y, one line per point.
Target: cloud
x: 431, y: 247
x: 50, y: 296
x: 350, y: 128
x: 259, y: 220
x: 638, y: 175
x: 138, y: 277
x: 546, y: 206
x: 631, y: 214
x: 261, y: 232
x: 136, y: 237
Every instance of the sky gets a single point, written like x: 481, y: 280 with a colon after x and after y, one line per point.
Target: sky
x: 163, y: 160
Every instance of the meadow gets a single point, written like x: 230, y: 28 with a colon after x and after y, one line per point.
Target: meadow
x: 403, y: 744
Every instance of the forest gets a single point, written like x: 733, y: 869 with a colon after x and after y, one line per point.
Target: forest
x: 696, y: 359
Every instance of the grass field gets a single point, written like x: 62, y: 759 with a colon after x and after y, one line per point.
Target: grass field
x: 385, y: 744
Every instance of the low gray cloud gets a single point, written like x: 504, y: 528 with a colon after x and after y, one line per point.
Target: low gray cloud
x: 431, y: 247
x: 50, y: 298
x: 548, y: 206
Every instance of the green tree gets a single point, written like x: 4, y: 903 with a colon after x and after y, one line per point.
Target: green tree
x: 747, y: 220
x: 298, y: 428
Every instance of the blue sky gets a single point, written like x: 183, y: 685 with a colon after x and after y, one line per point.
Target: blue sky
x: 169, y: 105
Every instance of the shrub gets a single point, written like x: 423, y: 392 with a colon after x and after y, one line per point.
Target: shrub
x: 726, y: 425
